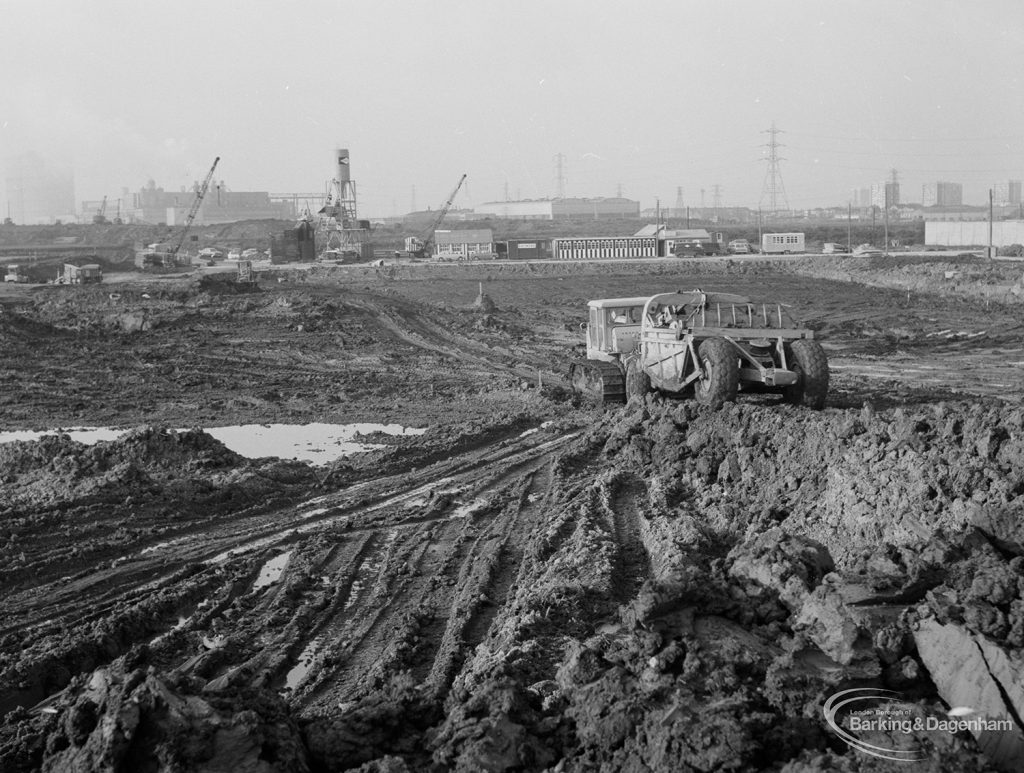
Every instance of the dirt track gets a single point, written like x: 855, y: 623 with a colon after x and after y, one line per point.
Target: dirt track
x: 533, y: 584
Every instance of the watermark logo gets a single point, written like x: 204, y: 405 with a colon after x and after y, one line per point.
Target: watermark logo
x: 869, y: 712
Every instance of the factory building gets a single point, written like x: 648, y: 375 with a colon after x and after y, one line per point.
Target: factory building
x: 220, y: 205
x: 554, y: 209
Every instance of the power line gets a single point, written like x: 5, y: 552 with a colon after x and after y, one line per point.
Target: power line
x: 844, y: 152
x: 773, y: 185
x: 918, y: 170
x: 908, y: 139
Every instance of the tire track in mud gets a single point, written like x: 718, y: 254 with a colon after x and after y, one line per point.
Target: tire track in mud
x: 346, y: 638
x: 428, y: 617
x: 385, y: 529
x: 482, y: 578
x: 509, y: 560
x: 342, y: 574
x: 622, y: 498
x: 414, y: 329
x: 356, y: 510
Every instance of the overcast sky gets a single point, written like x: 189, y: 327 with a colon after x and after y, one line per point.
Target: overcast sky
x: 645, y: 96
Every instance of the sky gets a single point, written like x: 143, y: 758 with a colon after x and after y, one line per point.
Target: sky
x: 642, y: 97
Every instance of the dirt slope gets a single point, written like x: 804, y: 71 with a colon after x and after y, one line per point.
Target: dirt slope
x: 534, y: 584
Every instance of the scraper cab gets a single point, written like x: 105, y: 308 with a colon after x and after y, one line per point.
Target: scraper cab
x: 708, y: 345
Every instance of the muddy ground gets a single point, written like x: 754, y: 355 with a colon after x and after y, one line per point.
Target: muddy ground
x: 533, y: 584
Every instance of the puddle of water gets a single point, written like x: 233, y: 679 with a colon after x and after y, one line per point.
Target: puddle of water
x: 302, y: 666
x: 317, y: 443
x: 467, y: 510
x: 272, y: 571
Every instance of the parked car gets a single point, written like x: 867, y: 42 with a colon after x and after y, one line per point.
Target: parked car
x: 740, y: 247
x: 834, y: 248
x: 210, y: 252
x: 866, y: 249
x: 689, y: 251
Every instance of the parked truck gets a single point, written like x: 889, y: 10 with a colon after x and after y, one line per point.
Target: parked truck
x: 710, y: 345
x: 91, y: 273
x: 14, y: 274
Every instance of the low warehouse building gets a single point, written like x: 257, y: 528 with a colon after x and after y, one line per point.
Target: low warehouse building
x: 555, y: 209
x: 973, y: 233
x: 470, y: 244
x: 526, y: 249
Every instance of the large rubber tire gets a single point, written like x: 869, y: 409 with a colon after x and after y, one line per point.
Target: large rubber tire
x: 721, y: 373
x: 807, y: 359
x: 638, y: 383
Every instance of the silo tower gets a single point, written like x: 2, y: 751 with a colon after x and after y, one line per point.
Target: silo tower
x: 339, y: 229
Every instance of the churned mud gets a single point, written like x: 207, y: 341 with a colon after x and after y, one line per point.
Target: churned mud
x: 532, y: 584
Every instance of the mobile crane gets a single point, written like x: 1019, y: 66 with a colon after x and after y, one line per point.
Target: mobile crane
x: 193, y: 211
x: 420, y: 248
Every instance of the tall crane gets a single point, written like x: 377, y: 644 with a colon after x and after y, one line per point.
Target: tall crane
x: 195, y: 209
x: 421, y: 247
x: 100, y: 218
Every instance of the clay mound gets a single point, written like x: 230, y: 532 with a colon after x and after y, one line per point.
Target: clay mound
x: 56, y: 468
x: 146, y: 447
x: 137, y: 721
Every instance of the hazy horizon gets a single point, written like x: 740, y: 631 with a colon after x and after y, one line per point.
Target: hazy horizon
x: 638, y: 97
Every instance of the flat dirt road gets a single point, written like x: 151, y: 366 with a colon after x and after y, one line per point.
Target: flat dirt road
x: 534, y: 583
